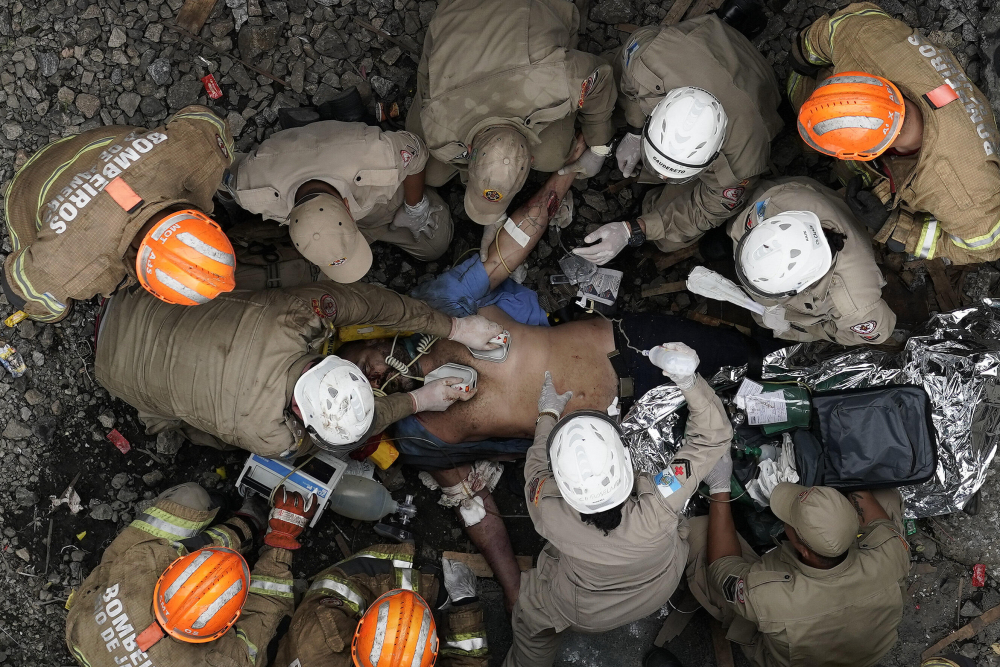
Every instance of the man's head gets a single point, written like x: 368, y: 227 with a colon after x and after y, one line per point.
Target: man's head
x: 590, y: 463
x: 853, y: 116
x: 403, y: 618
x: 369, y: 356
x: 336, y: 402
x: 198, y: 597
x: 498, y: 169
x: 183, y: 257
x: 323, y: 230
x: 783, y: 255
x: 819, y: 521
x: 684, y: 134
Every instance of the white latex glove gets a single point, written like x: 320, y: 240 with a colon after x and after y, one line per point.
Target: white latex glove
x: 475, y: 332
x: 774, y: 319
x: 439, y: 395
x: 550, y: 400
x: 677, y: 361
x: 489, y: 234
x: 629, y: 151
x: 718, y: 477
x: 613, y: 238
x: 417, y: 219
x: 587, y: 165
x: 459, y: 579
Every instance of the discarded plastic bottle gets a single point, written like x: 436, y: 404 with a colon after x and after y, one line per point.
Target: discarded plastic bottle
x: 762, y: 453
x: 12, y: 360
x: 361, y: 498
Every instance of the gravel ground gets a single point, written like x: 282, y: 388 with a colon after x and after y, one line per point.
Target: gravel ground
x: 66, y: 67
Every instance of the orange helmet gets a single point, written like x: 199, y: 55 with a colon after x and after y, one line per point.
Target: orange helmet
x: 852, y: 116
x: 398, y: 630
x: 200, y: 595
x: 186, y: 259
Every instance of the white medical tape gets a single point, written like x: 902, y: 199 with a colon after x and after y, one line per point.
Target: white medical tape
x: 515, y: 233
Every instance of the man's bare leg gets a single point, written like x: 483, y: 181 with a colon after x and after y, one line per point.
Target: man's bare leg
x: 532, y: 219
x: 489, y: 536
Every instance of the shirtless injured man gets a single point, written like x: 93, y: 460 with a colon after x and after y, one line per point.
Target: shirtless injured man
x: 597, y: 358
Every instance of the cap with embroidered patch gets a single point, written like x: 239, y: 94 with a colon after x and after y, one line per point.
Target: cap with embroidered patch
x: 323, y: 230
x: 822, y: 517
x: 500, y: 164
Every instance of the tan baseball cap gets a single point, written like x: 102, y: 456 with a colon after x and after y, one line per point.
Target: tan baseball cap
x: 500, y: 164
x: 323, y: 230
x: 823, y: 518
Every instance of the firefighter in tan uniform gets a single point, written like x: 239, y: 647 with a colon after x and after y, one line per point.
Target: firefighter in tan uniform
x: 170, y: 591
x: 333, y: 612
x: 800, y: 252
x: 86, y: 213
x: 499, y: 89
x: 332, y: 179
x: 246, y: 370
x: 830, y: 595
x: 616, y: 547
x: 927, y: 140
x: 704, y: 76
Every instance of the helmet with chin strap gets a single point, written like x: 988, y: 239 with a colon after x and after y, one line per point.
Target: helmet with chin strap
x: 783, y: 255
x: 684, y: 134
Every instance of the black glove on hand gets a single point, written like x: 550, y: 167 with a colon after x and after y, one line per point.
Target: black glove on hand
x: 866, y: 207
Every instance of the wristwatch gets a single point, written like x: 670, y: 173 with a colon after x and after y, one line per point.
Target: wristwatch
x: 636, y: 236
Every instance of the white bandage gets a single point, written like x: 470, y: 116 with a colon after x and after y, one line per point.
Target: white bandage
x: 472, y: 510
x: 520, y: 237
x: 484, y: 475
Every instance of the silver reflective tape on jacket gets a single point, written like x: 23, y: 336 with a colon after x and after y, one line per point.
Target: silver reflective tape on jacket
x: 180, y: 288
x: 268, y: 586
x: 199, y: 246
x: 473, y: 644
x: 340, y: 589
x: 186, y: 574
x: 217, y: 604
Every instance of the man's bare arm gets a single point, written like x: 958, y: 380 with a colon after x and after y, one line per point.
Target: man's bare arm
x: 532, y: 219
x: 722, y: 537
x: 867, y: 507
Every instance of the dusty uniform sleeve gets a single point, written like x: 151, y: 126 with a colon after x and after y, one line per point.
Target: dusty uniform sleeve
x: 727, y: 577
x: 546, y: 507
x: 696, y: 209
x: 707, y: 435
x: 410, y: 152
x: 927, y: 239
x: 818, y: 40
x: 269, y: 601
x: 870, y: 327
x: 361, y: 303
x: 597, y: 95
x: 389, y: 410
x: 463, y: 638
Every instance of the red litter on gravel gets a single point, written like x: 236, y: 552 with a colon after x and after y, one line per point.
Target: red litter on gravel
x: 119, y: 441
x: 211, y: 86
x: 978, y: 575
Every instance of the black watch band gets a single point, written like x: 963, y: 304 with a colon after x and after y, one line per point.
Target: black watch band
x: 636, y: 236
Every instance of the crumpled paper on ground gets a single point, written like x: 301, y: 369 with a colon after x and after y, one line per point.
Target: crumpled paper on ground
x: 955, y: 357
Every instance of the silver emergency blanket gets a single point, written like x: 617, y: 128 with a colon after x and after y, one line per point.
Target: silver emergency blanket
x: 955, y: 357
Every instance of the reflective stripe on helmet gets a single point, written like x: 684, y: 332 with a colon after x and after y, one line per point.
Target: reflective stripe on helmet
x: 179, y: 287
x: 837, y: 78
x: 199, y: 246
x: 381, y: 627
x: 847, y: 122
x: 425, y: 628
x: 217, y: 604
x: 186, y: 574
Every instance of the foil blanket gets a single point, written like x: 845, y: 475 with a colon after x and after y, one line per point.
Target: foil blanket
x: 955, y: 357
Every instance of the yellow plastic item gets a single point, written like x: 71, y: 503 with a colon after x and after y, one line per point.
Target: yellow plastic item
x: 221, y: 472
x: 15, y: 319
x: 385, y: 455
x: 69, y: 600
x: 82, y: 535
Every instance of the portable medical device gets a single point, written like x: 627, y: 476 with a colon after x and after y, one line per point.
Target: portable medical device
x: 320, y: 476
x: 469, y: 375
x: 499, y: 355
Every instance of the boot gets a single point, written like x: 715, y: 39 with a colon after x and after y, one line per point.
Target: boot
x: 661, y: 657
x: 348, y: 107
x: 747, y: 16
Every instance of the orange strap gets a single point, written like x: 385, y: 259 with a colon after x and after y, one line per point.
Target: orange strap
x: 123, y: 195
x: 149, y: 636
x: 941, y: 96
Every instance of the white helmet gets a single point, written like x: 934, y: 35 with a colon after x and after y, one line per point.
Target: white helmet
x: 593, y: 470
x: 684, y: 134
x: 336, y: 402
x: 783, y: 255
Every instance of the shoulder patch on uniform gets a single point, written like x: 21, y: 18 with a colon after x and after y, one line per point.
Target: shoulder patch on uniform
x: 730, y: 586
x: 865, y: 328
x: 756, y: 215
x: 406, y: 157
x: 535, y: 489
x: 630, y: 50
x: 585, y: 88
x: 328, y: 306
x: 681, y: 469
x: 733, y: 196
x: 666, y: 483
x: 222, y: 146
